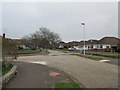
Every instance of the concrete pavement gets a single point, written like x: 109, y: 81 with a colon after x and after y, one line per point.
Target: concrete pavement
x: 90, y: 73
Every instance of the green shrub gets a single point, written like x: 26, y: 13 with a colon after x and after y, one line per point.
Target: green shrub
x: 9, y: 49
x: 5, y: 67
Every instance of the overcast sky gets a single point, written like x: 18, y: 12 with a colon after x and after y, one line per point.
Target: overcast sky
x: 21, y: 19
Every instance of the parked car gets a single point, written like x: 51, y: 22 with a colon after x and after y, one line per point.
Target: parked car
x: 71, y: 49
x: 79, y: 49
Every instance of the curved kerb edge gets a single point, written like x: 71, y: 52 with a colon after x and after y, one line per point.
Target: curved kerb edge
x: 8, y: 76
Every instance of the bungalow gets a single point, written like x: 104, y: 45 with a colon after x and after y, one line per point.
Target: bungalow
x: 105, y: 44
x: 62, y: 45
x: 109, y: 43
x: 20, y: 44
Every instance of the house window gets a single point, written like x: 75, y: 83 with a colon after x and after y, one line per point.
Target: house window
x: 101, y: 46
x: 88, y: 46
x: 97, y: 46
x: 91, y: 46
x: 107, y: 47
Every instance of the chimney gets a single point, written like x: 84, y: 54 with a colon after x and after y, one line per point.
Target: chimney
x: 3, y: 35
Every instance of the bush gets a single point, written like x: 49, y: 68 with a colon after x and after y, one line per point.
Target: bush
x: 5, y: 67
x: 9, y: 49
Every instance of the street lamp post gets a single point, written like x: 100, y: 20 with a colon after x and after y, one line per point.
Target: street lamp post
x: 83, y: 24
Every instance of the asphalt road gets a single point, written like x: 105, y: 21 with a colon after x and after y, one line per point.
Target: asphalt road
x: 31, y: 75
x: 114, y: 61
x: 90, y: 73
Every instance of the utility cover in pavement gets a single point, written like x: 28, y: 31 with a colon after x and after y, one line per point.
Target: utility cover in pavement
x: 54, y: 74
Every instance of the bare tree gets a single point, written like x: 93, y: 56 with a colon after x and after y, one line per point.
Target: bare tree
x: 49, y: 39
x: 43, y: 38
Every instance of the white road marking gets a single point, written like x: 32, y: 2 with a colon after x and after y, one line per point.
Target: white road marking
x: 36, y: 62
x: 104, y: 61
x: 39, y: 62
x: 50, y: 55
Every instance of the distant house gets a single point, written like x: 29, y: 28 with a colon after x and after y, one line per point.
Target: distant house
x: 106, y: 44
x: 20, y: 44
x: 89, y: 45
x: 109, y: 43
x: 62, y: 45
x: 73, y: 44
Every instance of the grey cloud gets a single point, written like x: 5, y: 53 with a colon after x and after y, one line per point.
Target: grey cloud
x: 20, y: 19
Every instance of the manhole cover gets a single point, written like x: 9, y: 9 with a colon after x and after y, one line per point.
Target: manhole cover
x: 54, y: 74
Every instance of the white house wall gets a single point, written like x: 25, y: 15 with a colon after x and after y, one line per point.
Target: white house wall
x: 105, y: 46
x: 95, y: 46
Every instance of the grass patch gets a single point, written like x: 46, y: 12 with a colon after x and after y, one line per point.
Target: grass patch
x: 106, y: 53
x: 5, y: 67
x: 66, y: 51
x: 47, y: 52
x: 28, y: 51
x: 70, y: 84
x: 40, y: 51
x: 89, y: 57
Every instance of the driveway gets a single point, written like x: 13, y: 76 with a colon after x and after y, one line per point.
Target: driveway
x: 90, y: 73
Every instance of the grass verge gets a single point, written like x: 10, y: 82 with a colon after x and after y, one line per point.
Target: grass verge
x: 106, y: 54
x: 28, y: 51
x: 5, y: 68
x: 89, y: 57
x: 70, y: 84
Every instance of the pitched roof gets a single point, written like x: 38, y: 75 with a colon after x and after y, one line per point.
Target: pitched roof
x: 109, y: 40
x: 74, y: 43
x: 19, y: 41
x: 91, y: 41
x: 105, y: 40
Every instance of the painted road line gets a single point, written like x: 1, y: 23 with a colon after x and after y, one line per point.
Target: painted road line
x: 39, y: 62
x: 104, y: 61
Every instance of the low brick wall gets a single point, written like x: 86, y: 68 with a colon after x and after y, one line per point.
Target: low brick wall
x: 7, y: 77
